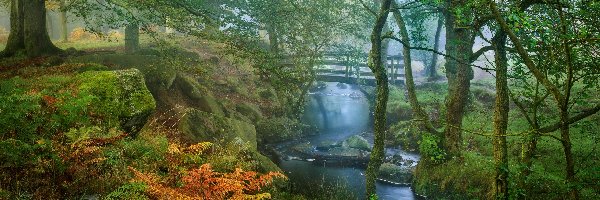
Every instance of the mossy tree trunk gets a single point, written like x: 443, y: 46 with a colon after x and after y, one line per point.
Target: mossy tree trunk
x: 459, y: 43
x: 132, y: 38
x: 382, y: 90
x: 418, y: 112
x: 501, y: 117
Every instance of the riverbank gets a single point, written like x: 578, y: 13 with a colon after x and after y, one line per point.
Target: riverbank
x: 101, y: 121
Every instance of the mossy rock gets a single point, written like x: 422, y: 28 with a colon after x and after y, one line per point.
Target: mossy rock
x: 264, y: 164
x: 394, y: 173
x: 198, y: 94
x: 357, y: 142
x: 268, y: 93
x: 325, y: 145
x: 278, y: 129
x: 121, y: 95
x: 92, y: 67
x: 347, y: 152
x: 198, y: 126
x: 251, y: 111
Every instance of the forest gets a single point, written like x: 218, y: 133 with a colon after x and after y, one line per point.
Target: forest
x: 299, y: 99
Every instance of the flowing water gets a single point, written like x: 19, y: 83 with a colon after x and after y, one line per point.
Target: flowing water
x: 340, y: 111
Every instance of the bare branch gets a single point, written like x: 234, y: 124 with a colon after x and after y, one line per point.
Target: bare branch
x: 368, y: 9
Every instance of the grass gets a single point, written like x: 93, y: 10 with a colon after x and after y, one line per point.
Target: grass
x: 89, y: 44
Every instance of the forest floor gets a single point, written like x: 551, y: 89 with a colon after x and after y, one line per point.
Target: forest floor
x: 72, y: 146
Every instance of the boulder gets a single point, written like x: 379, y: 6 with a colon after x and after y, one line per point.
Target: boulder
x: 325, y: 145
x: 394, y: 173
x: 279, y: 129
x: 198, y: 126
x: 251, y: 111
x: 357, y: 142
x: 203, y: 99
x: 121, y: 95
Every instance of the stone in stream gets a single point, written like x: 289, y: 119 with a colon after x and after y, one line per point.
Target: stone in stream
x: 357, y: 142
x: 394, y: 173
x: 325, y: 145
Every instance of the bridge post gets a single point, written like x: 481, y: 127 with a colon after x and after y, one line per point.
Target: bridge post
x: 347, y: 64
x: 393, y: 74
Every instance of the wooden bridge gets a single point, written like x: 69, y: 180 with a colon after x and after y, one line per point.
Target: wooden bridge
x: 336, y: 67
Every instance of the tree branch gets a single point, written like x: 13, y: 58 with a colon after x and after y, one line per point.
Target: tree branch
x: 582, y: 115
x: 436, y: 52
x: 367, y: 7
x: 480, y: 52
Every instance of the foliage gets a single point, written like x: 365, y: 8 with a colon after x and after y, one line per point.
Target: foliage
x: 79, y: 33
x: 129, y: 191
x: 204, y: 182
x: 280, y: 129
x: 429, y: 147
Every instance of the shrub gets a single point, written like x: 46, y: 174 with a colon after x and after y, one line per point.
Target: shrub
x: 279, y: 129
x: 134, y: 191
x: 429, y: 146
x: 203, y: 182
x: 80, y: 33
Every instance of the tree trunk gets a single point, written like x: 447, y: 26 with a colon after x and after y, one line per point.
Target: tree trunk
x: 418, y: 112
x: 459, y: 43
x: 16, y: 38
x: 49, y: 26
x: 431, y: 71
x: 501, y: 118
x: 570, y: 162
x: 376, y: 65
x: 64, y: 32
x: 273, y: 39
x: 132, y: 38
x: 37, y: 41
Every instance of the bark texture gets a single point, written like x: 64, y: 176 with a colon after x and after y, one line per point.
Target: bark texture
x: 459, y: 43
x: 28, y: 30
x: 37, y: 41
x: 376, y: 65
x: 501, y: 118
x: 418, y: 112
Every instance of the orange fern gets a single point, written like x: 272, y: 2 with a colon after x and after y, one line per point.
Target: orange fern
x: 204, y: 183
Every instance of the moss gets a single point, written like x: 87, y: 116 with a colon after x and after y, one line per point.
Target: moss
x: 394, y: 173
x: 200, y: 95
x: 199, y: 126
x: 468, y: 179
x: 92, y: 67
x: 250, y: 110
x: 121, y: 96
x: 279, y: 129
x: 357, y: 142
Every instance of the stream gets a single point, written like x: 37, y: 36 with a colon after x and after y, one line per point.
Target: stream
x: 339, y: 111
